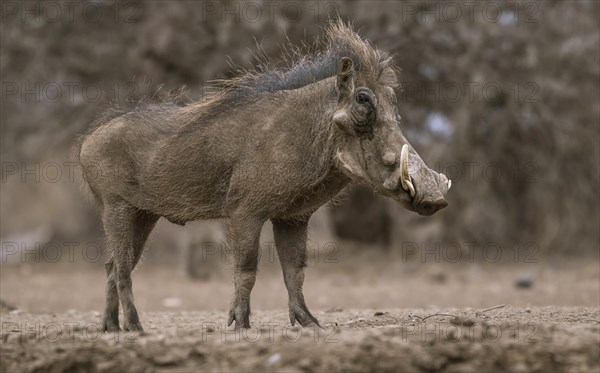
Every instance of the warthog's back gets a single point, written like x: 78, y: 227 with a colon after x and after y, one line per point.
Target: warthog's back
x: 131, y: 156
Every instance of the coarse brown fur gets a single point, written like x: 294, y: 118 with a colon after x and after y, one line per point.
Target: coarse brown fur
x: 275, y: 143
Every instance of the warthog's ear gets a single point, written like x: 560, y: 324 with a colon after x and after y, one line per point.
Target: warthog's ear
x: 345, y: 76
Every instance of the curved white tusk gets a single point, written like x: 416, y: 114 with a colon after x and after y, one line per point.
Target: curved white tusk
x: 405, y: 178
x: 448, y: 181
x: 411, y: 188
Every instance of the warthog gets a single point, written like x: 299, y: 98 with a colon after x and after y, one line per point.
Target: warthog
x: 274, y: 143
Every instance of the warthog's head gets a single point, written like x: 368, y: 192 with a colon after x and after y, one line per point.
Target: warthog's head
x: 373, y: 149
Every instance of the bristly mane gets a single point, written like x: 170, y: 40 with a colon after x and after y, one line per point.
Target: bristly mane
x: 296, y: 68
x: 300, y: 66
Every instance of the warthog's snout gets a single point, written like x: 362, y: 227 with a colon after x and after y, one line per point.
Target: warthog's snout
x: 432, y: 199
x: 429, y: 208
x: 423, y: 189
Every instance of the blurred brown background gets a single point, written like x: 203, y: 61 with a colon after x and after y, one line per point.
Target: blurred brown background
x: 501, y: 96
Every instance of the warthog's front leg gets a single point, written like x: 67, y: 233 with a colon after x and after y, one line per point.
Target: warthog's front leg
x: 290, y: 240
x: 244, y: 234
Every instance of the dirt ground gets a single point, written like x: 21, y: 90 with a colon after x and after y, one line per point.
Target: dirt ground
x: 541, y: 339
x: 401, y: 317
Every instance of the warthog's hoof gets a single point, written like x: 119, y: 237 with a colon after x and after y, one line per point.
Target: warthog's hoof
x: 241, y: 316
x: 299, y: 312
x: 133, y: 327
x: 110, y: 326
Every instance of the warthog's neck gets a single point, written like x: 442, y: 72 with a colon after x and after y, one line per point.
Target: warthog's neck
x: 322, y: 99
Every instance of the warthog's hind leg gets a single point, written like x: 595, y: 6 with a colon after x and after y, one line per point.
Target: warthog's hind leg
x: 290, y: 240
x: 244, y: 234
x: 127, y: 229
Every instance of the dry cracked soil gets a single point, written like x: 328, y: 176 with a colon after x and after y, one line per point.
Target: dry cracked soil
x: 432, y: 319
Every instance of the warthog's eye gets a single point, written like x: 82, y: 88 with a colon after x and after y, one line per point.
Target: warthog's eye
x: 365, y: 104
x: 363, y: 98
x: 363, y: 112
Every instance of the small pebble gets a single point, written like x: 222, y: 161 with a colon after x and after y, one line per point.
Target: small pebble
x: 462, y: 321
x: 210, y: 328
x: 273, y: 358
x: 439, y: 278
x: 524, y: 282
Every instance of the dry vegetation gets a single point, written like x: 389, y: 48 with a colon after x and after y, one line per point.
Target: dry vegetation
x: 519, y: 136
